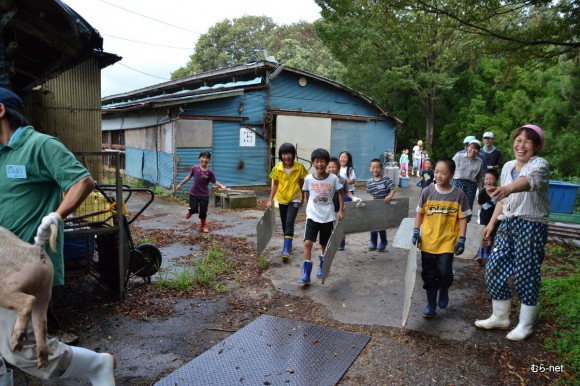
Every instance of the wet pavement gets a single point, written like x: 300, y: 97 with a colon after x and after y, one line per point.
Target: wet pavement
x: 364, y: 287
x: 367, y: 287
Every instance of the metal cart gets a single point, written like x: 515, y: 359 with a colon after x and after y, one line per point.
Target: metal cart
x: 98, y: 239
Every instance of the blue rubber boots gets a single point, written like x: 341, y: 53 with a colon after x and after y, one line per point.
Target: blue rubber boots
x: 287, y: 248
x: 306, y: 271
x: 429, y: 310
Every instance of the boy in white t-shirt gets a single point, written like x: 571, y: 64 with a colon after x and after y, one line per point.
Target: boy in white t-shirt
x: 319, y: 188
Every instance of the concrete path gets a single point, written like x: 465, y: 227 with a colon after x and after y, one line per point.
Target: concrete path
x: 364, y: 287
x: 367, y: 287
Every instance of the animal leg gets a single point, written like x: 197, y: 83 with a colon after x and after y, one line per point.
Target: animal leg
x: 39, y: 312
x: 22, y: 304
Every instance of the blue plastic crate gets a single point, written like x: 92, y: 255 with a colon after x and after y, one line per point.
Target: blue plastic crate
x: 79, y: 248
x: 562, y: 196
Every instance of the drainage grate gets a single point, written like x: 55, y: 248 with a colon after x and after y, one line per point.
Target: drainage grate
x: 273, y: 351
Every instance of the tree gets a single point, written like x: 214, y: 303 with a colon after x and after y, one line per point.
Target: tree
x: 388, y: 49
x: 497, y: 95
x: 541, y: 27
x: 229, y: 43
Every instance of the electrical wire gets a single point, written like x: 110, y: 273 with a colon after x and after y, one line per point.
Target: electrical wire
x: 144, y: 73
x: 151, y: 18
x: 150, y: 44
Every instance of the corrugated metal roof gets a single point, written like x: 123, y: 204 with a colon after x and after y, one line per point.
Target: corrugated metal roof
x: 185, y: 96
x: 267, y: 72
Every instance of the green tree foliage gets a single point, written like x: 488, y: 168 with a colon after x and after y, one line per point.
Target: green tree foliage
x: 499, y: 96
x: 388, y: 50
x: 248, y: 38
x: 513, y: 25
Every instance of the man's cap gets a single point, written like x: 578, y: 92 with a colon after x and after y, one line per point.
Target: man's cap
x: 468, y: 139
x: 488, y: 134
x: 475, y: 141
x: 10, y: 100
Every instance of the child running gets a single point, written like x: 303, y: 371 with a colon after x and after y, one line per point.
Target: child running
x: 287, y: 180
x: 442, y: 210
x: 319, y: 188
x: 487, y: 205
x: 380, y: 188
x: 199, y: 192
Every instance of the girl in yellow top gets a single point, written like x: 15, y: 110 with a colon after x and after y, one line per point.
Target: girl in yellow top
x: 442, y: 210
x: 287, y: 180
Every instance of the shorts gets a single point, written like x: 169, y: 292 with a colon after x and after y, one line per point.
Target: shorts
x: 313, y: 228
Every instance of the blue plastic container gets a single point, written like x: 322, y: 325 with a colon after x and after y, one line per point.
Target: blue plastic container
x: 78, y: 248
x: 404, y: 182
x: 562, y: 196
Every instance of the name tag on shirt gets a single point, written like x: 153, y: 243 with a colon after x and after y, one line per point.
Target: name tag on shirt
x: 381, y: 186
x: 16, y: 171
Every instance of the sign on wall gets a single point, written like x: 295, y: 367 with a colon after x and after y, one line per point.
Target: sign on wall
x: 247, y: 137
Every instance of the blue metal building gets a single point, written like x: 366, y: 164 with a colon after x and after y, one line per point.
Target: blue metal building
x: 241, y: 115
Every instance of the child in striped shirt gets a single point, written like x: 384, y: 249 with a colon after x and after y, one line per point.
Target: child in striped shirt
x: 380, y: 188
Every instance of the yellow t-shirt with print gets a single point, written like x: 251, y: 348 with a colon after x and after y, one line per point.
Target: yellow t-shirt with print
x: 441, y: 213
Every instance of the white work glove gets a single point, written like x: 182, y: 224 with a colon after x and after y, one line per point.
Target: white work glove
x: 358, y: 201
x: 43, y: 233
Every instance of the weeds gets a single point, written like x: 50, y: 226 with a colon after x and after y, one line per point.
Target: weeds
x: 263, y: 263
x: 207, y: 272
x: 560, y: 298
x: 146, y: 240
x: 160, y: 191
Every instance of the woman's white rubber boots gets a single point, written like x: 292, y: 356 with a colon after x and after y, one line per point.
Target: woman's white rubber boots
x: 500, y: 317
x: 97, y: 367
x: 525, y: 326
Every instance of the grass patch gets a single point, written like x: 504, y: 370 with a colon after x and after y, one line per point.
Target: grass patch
x: 160, y: 191
x: 560, y: 305
x: 206, y: 273
x: 146, y: 240
x: 263, y: 263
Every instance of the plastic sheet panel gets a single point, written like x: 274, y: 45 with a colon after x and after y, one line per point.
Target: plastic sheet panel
x: 274, y: 351
x: 410, y: 277
x: 265, y: 229
x: 372, y: 215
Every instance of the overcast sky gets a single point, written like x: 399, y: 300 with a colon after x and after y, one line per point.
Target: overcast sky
x: 157, y: 37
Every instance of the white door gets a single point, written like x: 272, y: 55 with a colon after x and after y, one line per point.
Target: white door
x: 306, y: 133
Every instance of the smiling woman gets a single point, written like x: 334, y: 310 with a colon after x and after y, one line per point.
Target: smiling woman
x: 522, y: 212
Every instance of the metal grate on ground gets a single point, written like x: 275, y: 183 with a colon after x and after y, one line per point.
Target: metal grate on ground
x: 273, y: 351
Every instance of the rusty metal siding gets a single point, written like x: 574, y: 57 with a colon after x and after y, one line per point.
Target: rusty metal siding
x: 69, y: 107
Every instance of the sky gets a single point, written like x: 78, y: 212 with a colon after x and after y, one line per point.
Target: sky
x: 155, y: 41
